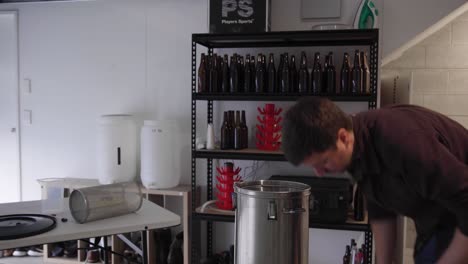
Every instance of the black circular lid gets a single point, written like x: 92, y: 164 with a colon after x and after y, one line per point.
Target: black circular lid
x: 25, y: 225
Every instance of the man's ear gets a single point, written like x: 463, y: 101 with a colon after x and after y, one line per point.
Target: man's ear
x: 343, y: 136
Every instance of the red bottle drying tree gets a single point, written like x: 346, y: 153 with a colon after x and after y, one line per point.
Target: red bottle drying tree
x: 268, y: 130
x: 225, y: 186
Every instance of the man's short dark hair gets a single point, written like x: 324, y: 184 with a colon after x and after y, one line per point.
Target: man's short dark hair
x: 311, y: 126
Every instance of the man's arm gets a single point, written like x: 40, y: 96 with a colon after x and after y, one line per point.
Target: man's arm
x: 457, y: 252
x: 385, y: 236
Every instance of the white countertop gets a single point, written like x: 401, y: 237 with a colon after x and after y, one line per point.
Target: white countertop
x: 150, y: 216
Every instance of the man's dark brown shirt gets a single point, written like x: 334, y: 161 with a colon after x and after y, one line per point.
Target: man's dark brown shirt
x: 412, y: 161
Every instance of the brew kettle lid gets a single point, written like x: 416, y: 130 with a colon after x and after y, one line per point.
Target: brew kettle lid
x: 25, y: 225
x: 272, y: 189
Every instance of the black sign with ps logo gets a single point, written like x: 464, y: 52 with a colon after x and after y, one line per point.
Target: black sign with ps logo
x: 229, y: 16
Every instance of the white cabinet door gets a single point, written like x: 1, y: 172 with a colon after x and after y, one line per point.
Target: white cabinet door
x: 9, y: 125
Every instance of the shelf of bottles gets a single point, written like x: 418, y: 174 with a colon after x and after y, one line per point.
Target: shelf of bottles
x: 217, y: 76
x: 225, y: 78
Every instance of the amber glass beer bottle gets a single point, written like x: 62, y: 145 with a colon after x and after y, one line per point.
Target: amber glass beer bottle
x: 202, y: 74
x: 303, y: 82
x: 317, y: 75
x: 345, y: 75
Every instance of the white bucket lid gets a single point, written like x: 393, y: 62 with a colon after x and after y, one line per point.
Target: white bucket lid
x: 115, y: 119
x: 159, y: 123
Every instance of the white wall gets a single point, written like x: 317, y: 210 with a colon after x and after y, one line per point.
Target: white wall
x: 287, y: 15
x: 91, y: 58
x: 9, y: 136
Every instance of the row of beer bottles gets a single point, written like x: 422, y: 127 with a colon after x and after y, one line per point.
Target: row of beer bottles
x: 234, y: 132
x: 215, y: 74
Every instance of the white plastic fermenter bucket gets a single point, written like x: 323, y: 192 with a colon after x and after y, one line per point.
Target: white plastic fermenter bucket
x: 116, y: 149
x: 160, y: 154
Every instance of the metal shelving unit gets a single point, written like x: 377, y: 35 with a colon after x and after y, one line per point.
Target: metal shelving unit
x: 348, y: 37
x: 278, y: 97
x: 245, y: 154
x: 368, y: 37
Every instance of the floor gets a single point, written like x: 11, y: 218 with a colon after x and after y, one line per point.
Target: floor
x: 22, y: 260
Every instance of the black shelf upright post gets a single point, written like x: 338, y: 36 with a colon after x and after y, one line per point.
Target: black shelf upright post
x: 374, y: 63
x: 374, y: 58
x: 209, y: 183
x: 194, y: 232
x: 368, y: 246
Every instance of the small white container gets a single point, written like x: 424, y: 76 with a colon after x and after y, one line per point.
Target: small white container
x: 210, y: 137
x: 160, y: 155
x: 117, y: 149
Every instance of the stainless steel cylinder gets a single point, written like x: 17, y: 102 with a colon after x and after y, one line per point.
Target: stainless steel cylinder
x: 105, y: 201
x: 272, y: 222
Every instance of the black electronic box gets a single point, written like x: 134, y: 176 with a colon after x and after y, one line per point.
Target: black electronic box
x: 329, y: 200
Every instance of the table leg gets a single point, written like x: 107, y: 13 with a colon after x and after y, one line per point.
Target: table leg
x: 145, y: 246
x: 106, y: 259
x: 187, y: 208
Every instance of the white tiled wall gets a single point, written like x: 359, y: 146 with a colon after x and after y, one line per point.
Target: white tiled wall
x: 439, y: 71
x: 440, y: 38
x: 447, y: 57
x: 458, y: 82
x: 409, y: 241
x: 461, y: 119
x: 447, y: 104
x: 459, y: 32
x: 429, y: 81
